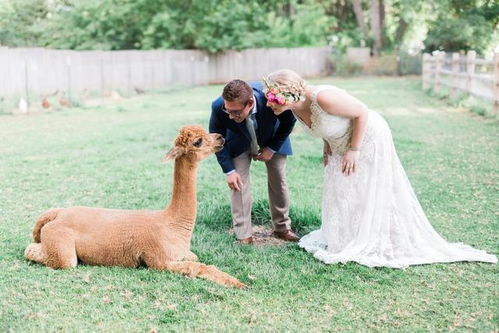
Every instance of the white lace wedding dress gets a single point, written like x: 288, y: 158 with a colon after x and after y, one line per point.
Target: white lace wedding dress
x: 373, y: 217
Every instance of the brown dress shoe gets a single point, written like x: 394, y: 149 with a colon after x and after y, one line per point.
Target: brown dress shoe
x: 246, y: 241
x: 287, y: 235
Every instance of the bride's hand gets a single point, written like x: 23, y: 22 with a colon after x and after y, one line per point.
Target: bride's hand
x: 326, y: 153
x: 349, y: 162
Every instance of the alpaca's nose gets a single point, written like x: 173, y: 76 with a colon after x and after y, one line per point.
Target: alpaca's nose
x: 219, y: 137
x: 219, y: 142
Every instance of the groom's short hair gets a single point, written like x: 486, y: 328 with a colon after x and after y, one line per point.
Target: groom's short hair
x: 237, y: 90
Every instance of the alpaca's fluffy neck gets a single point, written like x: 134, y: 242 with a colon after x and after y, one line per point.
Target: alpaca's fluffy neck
x: 182, y: 207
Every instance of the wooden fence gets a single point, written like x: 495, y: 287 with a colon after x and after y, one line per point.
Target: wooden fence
x: 29, y: 72
x: 465, y: 73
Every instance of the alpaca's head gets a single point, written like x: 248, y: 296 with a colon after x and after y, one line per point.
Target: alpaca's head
x: 194, y: 143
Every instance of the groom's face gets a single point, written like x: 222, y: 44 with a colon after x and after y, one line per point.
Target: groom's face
x: 238, y: 111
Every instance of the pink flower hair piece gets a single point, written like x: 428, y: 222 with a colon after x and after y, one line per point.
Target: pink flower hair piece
x: 274, y: 95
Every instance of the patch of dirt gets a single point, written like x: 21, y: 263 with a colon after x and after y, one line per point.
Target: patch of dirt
x: 262, y: 236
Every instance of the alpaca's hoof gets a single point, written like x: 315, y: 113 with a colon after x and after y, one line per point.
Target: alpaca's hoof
x: 27, y: 252
x: 233, y: 282
x: 240, y: 285
x: 32, y: 252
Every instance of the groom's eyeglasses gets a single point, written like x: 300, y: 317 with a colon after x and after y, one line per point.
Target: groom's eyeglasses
x: 234, y: 113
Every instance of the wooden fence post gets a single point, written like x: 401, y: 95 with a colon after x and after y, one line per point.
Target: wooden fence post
x: 68, y: 72
x: 26, y: 84
x: 495, y: 108
x: 470, y: 69
x: 454, y: 77
x: 439, y: 56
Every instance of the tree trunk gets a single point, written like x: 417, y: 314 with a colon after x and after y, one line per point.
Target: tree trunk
x: 288, y: 10
x: 376, y: 26
x: 359, y: 15
x: 382, y: 21
x: 400, y: 32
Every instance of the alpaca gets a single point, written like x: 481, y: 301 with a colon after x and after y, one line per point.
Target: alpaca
x: 158, y: 239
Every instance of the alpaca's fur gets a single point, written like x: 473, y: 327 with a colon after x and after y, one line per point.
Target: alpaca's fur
x: 159, y: 239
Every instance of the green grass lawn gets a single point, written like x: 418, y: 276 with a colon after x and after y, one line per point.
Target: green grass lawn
x: 109, y: 156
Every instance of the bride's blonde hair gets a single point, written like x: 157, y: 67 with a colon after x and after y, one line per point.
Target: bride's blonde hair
x: 287, y: 81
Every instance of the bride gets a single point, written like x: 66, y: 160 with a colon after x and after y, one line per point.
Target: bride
x: 370, y: 213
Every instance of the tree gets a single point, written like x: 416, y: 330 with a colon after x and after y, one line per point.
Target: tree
x: 377, y: 8
x: 210, y: 25
x: 359, y: 15
x: 217, y: 25
x: 21, y: 22
x: 463, y: 25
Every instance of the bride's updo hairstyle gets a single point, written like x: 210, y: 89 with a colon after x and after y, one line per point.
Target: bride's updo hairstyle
x: 288, y: 81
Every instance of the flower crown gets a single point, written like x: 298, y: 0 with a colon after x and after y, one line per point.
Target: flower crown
x: 275, y: 95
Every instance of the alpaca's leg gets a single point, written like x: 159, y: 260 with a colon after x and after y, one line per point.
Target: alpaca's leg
x: 59, y: 247
x: 191, y: 256
x: 196, y: 269
x: 193, y: 269
x: 34, y: 252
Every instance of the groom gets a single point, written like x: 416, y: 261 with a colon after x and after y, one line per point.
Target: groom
x: 252, y: 131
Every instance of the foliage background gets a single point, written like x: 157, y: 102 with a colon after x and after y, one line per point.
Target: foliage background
x: 218, y: 25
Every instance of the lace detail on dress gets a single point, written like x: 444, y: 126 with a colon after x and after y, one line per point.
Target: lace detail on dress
x: 340, y: 145
x: 336, y: 130
x: 314, y: 109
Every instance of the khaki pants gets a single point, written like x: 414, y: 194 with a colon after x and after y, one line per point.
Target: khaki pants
x: 278, y: 195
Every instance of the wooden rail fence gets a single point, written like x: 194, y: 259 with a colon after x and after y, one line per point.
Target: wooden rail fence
x: 466, y: 73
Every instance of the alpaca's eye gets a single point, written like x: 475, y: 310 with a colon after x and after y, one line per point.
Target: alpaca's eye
x: 198, y: 143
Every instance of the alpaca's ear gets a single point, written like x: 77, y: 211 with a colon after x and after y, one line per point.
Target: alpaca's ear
x: 173, y: 154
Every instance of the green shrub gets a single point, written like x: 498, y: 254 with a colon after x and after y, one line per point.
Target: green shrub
x: 342, y: 66
x: 385, y: 64
x: 409, y: 64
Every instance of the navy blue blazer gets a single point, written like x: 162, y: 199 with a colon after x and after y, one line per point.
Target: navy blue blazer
x: 272, y: 131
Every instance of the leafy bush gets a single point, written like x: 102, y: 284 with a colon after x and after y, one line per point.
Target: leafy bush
x: 154, y: 24
x: 385, y: 64
x: 342, y: 66
x: 472, y: 33
x: 477, y: 106
x: 410, y: 64
x: 463, y: 25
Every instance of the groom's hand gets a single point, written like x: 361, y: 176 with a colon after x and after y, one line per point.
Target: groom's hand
x: 234, y: 181
x: 265, y: 154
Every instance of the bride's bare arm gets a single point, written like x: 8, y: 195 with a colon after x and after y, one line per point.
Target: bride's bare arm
x: 340, y: 103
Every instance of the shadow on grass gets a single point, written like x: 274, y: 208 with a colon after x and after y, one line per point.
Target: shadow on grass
x: 219, y: 217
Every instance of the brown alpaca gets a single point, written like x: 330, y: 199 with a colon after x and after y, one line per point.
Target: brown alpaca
x: 159, y: 239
